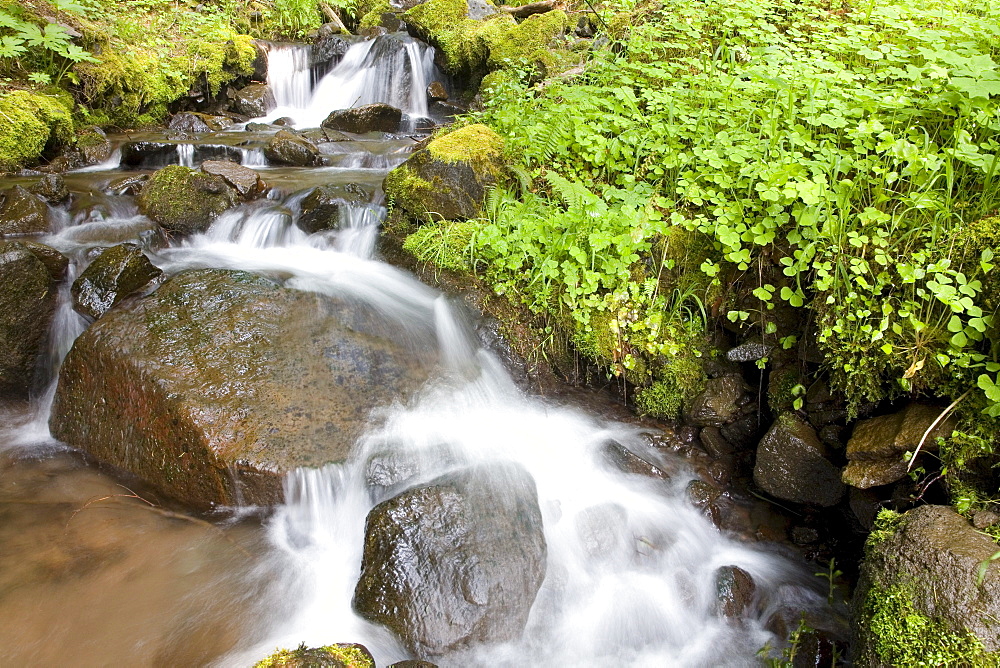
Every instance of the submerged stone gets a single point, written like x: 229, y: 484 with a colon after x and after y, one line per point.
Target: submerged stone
x: 454, y: 562
x: 735, y: 590
x: 218, y: 383
x: 116, y: 273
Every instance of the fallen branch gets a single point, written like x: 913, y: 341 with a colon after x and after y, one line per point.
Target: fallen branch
x: 330, y: 13
x: 947, y: 411
x: 524, y: 11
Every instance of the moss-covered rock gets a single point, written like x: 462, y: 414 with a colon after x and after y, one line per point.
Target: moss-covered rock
x: 22, y: 213
x: 185, y: 201
x: 32, y: 122
x: 27, y: 302
x: 928, y: 594
x: 217, y: 384
x: 115, y: 274
x: 449, y: 178
x: 330, y: 656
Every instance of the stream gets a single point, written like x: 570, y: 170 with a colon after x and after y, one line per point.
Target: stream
x: 91, y: 574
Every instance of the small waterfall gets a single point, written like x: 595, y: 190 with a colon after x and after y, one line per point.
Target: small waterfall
x: 185, y: 155
x: 257, y: 225
x: 113, y: 162
x: 288, y: 75
x: 358, y: 230
x: 252, y: 157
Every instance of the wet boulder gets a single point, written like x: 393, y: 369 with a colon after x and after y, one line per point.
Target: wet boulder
x: 876, y: 452
x: 792, y: 464
x: 27, y: 303
x: 127, y: 185
x: 54, y: 261
x: 217, y: 384
x: 244, y: 180
x: 735, y: 590
x: 927, y: 571
x: 341, y: 655
x: 321, y: 207
x: 254, y: 100
x: 22, y: 213
x: 93, y: 146
x: 449, y: 178
x: 286, y: 148
x: 436, y: 92
x: 148, y: 154
x: 719, y: 403
x: 185, y: 201
x: 328, y: 49
x: 378, y: 117
x: 52, y: 188
x: 116, y: 273
x: 455, y: 562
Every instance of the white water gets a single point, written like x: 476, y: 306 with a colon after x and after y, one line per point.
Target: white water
x: 371, y: 71
x: 185, y: 155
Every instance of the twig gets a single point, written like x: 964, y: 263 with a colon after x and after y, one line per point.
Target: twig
x: 934, y: 424
x: 329, y: 12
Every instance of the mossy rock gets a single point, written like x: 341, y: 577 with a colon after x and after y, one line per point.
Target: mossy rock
x: 185, y: 201
x: 22, y: 213
x: 331, y: 656
x: 449, y: 179
x: 115, y: 274
x: 27, y: 303
x: 31, y: 123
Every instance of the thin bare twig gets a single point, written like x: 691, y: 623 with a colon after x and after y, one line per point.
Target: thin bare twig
x: 947, y: 411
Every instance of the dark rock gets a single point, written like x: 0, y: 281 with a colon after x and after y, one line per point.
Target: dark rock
x: 22, y: 213
x: 260, y: 62
x: 148, y: 154
x: 329, y: 48
x: 390, y: 21
x: 54, y: 261
x: 27, y: 302
x: 436, y: 92
x: 189, y: 123
x: 447, y: 109
x: 627, y: 461
x: 455, y: 562
x: 702, y: 494
x: 876, y: 450
x: 748, y: 351
x: 715, y: 444
x: 374, y: 31
x: 93, y: 146
x: 984, y: 519
x: 743, y: 432
x: 51, y: 188
x: 935, y: 557
x: 413, y: 663
x: 259, y: 127
x: 254, y: 100
x: 378, y: 117
x: 864, y: 504
x: 116, y: 273
x: 321, y: 207
x: 734, y: 590
x: 792, y: 464
x: 718, y: 404
x: 185, y: 201
x: 284, y: 121
x: 289, y: 149
x: 244, y: 180
x: 584, y: 28
x: 804, y: 535
x: 449, y: 178
x: 218, y: 383
x: 128, y: 185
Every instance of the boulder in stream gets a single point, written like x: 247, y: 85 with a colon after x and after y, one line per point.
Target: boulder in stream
x: 378, y: 117
x: 27, y: 302
x: 185, y: 201
x: 321, y: 207
x: 792, y: 464
x: 246, y: 181
x: 254, y: 100
x: 287, y: 148
x: 52, y: 188
x: 449, y: 178
x: 22, y: 213
x: 456, y: 561
x: 195, y: 123
x: 218, y: 383
x: 116, y: 273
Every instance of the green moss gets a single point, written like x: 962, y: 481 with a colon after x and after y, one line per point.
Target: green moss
x: 899, y: 635
x: 680, y: 379
x: 30, y: 123
x: 464, y: 42
x: 345, y: 656
x: 372, y: 13
x: 445, y: 244
x: 886, y: 523
x: 495, y: 82
x: 473, y: 143
x: 184, y: 200
x: 529, y: 40
x: 405, y: 190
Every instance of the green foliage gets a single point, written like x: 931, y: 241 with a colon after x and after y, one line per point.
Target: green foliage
x: 902, y: 636
x: 39, y: 50
x: 445, y: 244
x: 847, y: 146
x: 886, y: 523
x: 348, y: 656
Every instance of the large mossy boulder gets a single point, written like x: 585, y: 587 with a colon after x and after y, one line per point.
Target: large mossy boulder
x: 184, y: 200
x: 286, y: 148
x: 218, y: 383
x: 22, y: 213
x: 449, y: 178
x: 27, y: 303
x: 378, y: 117
x: 928, y: 594
x: 456, y: 561
x: 876, y: 452
x: 792, y: 464
x: 115, y: 274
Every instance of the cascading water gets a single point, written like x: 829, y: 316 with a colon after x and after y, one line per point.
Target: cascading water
x: 630, y: 574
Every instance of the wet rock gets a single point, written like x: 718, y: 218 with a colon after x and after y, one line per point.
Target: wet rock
x: 54, y: 261
x: 289, y: 149
x: 984, y: 519
x: 792, y: 464
x: 876, y: 450
x: 702, y: 494
x: 933, y: 558
x: 148, y: 153
x: 185, y: 201
x: 743, y: 432
x: 194, y: 123
x: 748, y: 351
x: 254, y: 100
x: 259, y: 127
x: 22, y: 213
x: 718, y: 404
x: 734, y: 591
x: 27, y: 302
x: 218, y: 383
x: 455, y: 562
x: 93, y: 146
x: 627, y: 461
x: 244, y: 180
x: 436, y: 92
x: 329, y: 48
x: 340, y: 655
x: 321, y: 207
x: 52, y: 188
x: 864, y: 505
x: 391, y: 22
x: 413, y: 663
x: 127, y: 185
x: 117, y: 273
x: 804, y: 535
x: 378, y: 117
x: 449, y: 178
x: 284, y: 121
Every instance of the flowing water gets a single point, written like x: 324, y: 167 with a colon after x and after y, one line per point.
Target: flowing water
x: 92, y: 574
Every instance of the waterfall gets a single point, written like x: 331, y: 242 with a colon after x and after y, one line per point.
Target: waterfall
x: 185, y: 155
x: 288, y: 75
